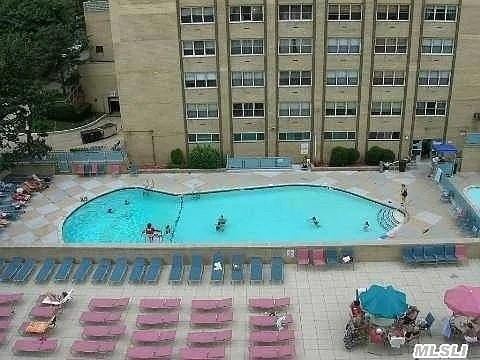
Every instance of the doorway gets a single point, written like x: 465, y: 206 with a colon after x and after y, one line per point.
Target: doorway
x: 114, y: 105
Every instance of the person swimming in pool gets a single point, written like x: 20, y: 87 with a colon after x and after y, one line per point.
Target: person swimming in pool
x: 127, y: 202
x: 110, y: 211
x: 366, y: 226
x: 150, y: 232
x: 315, y: 221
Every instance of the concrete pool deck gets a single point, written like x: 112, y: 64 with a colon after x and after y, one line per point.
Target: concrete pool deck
x: 320, y: 310
x: 40, y: 225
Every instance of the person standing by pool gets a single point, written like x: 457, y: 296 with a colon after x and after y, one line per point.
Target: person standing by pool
x: 404, y: 194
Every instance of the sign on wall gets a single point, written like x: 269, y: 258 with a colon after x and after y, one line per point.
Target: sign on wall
x: 304, y: 148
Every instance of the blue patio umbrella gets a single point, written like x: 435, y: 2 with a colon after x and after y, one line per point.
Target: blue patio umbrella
x: 385, y: 302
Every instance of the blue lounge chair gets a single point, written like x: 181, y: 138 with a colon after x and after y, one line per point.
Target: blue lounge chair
x: 64, y: 270
x: 46, y: 271
x: 408, y: 257
x: 11, y: 269
x: 439, y: 253
x: 138, y: 270
x: 100, y: 275
x: 346, y: 257
x: 119, y: 271
x: 429, y: 254
x: 418, y: 254
x: 237, y: 268
x: 256, y: 270
x: 331, y: 256
x: 277, y: 270
x: 153, y: 271
x: 218, y: 268
x: 25, y: 271
x: 176, y: 271
x: 196, y: 270
x: 83, y: 270
x: 450, y: 256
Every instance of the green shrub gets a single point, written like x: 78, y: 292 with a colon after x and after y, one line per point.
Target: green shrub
x: 205, y: 157
x: 342, y: 156
x: 376, y: 154
x: 70, y: 113
x: 176, y: 158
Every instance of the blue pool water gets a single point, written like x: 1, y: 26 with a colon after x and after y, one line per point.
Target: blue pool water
x: 273, y: 215
x: 473, y: 194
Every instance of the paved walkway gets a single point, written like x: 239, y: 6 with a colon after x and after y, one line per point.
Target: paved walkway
x: 46, y: 210
x: 319, y: 307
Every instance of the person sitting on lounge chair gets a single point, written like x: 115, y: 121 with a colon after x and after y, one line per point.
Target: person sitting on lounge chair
x: 411, y: 315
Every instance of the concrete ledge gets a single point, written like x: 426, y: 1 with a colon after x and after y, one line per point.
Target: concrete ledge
x: 345, y: 168
x: 364, y: 252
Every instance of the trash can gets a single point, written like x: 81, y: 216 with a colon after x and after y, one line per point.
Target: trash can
x: 402, y: 165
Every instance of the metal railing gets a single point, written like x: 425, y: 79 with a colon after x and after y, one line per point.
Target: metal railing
x: 95, y: 6
x: 247, y: 162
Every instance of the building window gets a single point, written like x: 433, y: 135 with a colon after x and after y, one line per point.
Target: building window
x: 390, y: 45
x: 294, y: 109
x: 433, y: 78
x: 341, y: 108
x: 339, y: 135
x: 344, y: 12
x: 295, y: 46
x: 437, y: 46
x: 197, y: 15
x: 431, y: 108
x: 202, y: 111
x: 384, y: 135
x: 246, y: 47
x: 198, y: 48
x: 246, y: 13
x: 294, y: 136
x: 295, y: 12
x: 342, y: 78
x: 388, y: 78
x: 248, y: 136
x: 386, y: 108
x: 248, y: 79
x: 200, y: 79
x: 393, y: 12
x: 294, y: 78
x: 99, y: 49
x: 441, y: 12
x: 203, y: 138
x: 343, y: 46
x: 242, y: 110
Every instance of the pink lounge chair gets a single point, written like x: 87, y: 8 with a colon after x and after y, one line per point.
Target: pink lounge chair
x: 303, y: 256
x: 102, y: 304
x: 44, y: 312
x: 213, y: 304
x: 318, y: 257
x: 103, y: 331
x: 92, y: 347
x: 212, y: 318
x: 159, y: 304
x: 209, y: 337
x: 150, y: 352
x: 157, y: 319
x: 153, y: 336
x: 461, y: 252
x: 10, y: 298
x: 272, y: 352
x: 268, y: 321
x: 271, y: 336
x: 6, y: 311
x: 202, y: 353
x: 269, y: 303
x: 99, y: 317
x: 4, y: 324
x: 35, y: 345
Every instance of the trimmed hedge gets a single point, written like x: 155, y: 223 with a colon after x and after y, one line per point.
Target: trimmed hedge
x: 342, y: 156
x: 205, y: 157
x: 70, y: 113
x: 176, y: 158
x: 376, y: 154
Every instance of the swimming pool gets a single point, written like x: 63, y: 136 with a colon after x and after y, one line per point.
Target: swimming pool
x: 267, y: 215
x: 473, y: 193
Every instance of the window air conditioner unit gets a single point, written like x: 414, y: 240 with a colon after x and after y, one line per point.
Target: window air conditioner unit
x: 476, y: 116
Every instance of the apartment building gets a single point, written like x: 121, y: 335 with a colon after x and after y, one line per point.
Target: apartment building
x: 285, y: 78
